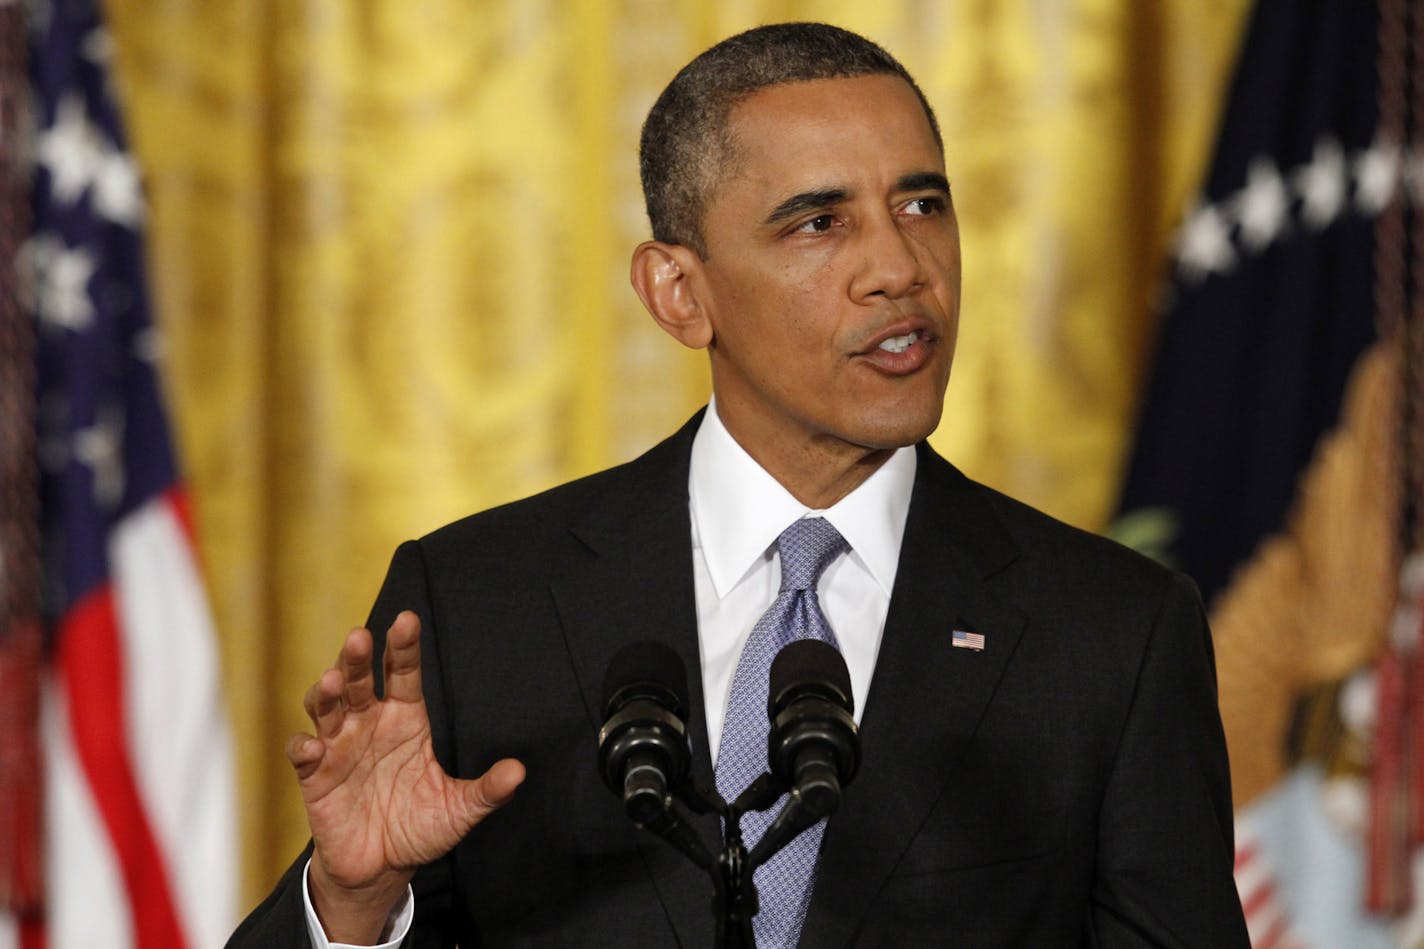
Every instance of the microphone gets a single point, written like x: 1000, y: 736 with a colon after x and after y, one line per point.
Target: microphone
x: 643, y: 753
x: 814, y: 746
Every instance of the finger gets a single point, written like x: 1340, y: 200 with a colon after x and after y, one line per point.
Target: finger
x: 494, y: 789
x: 305, y: 754
x: 402, y: 660
x: 323, y: 703
x: 357, y: 679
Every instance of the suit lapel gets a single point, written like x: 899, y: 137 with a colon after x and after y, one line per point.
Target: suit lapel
x: 927, y: 695
x: 638, y: 585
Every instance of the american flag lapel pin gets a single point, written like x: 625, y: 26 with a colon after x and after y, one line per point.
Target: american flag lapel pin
x: 964, y: 639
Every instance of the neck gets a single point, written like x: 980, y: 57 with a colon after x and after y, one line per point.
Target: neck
x: 820, y: 484
x: 817, y: 471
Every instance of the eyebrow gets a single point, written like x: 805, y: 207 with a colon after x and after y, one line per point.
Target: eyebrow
x: 806, y: 201
x: 826, y: 197
x: 923, y: 181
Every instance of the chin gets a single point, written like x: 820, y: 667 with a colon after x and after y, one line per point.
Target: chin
x: 905, y: 415
x: 897, y: 432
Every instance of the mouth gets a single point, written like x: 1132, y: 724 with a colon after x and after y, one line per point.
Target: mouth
x: 899, y: 349
x: 899, y: 337
x: 898, y: 344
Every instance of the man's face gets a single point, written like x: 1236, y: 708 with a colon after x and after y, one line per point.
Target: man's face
x: 832, y: 273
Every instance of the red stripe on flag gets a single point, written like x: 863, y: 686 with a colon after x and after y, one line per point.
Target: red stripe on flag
x: 1257, y: 899
x: 32, y: 933
x: 177, y: 498
x: 1273, y: 936
x: 1387, y: 859
x: 90, y: 656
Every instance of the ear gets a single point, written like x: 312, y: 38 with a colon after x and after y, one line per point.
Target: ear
x: 665, y: 277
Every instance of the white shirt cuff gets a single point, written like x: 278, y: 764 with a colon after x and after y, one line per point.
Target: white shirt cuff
x: 400, y: 921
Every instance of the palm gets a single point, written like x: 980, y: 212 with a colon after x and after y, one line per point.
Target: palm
x: 378, y: 801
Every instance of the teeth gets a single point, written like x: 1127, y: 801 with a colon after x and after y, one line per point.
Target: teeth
x: 898, y: 344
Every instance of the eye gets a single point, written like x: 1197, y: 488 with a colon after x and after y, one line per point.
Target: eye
x: 818, y: 224
x: 924, y: 207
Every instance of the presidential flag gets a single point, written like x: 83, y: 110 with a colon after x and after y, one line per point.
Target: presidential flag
x: 1267, y: 458
x: 138, y: 834
x: 1270, y: 300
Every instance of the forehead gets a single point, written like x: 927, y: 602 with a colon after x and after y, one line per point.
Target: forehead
x: 860, y: 129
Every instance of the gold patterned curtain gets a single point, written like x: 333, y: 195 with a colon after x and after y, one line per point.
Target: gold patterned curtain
x: 389, y: 244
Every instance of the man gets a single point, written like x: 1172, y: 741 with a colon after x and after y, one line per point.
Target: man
x: 1043, y: 762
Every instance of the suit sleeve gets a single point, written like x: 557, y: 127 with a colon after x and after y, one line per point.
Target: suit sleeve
x: 279, y: 921
x: 1165, y: 838
x: 440, y: 921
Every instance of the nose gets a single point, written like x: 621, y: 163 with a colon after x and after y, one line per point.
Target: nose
x: 889, y: 266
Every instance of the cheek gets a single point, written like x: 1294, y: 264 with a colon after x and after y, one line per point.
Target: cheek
x: 793, y: 302
x: 947, y: 265
x: 945, y: 252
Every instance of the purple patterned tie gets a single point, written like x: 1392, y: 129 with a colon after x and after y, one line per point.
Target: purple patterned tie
x: 784, y: 881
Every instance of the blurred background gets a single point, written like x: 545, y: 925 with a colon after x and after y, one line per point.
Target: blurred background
x: 387, y: 250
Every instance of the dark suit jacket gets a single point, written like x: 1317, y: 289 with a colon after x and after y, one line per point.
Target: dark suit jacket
x: 1065, y: 786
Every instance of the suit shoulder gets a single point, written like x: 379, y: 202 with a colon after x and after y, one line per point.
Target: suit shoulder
x: 1078, y: 587
x: 609, y: 498
x: 1049, y: 545
x: 553, y: 505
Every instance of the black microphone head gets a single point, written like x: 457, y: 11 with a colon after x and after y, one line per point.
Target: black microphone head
x: 644, y: 730
x: 646, y: 669
x: 813, y: 745
x: 808, y: 666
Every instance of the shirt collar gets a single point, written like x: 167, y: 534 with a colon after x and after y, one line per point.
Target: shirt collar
x: 738, y: 509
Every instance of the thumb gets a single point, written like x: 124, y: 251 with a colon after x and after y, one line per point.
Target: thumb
x: 493, y: 789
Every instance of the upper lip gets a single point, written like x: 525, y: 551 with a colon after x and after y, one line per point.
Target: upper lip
x: 923, y: 327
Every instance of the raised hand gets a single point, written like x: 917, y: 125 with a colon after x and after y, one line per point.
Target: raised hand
x: 378, y: 802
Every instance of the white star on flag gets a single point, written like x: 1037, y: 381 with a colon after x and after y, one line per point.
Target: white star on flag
x: 1262, y: 205
x: 37, y: 14
x: 117, y: 196
x: 148, y: 345
x: 1321, y: 184
x: 58, y: 281
x: 1205, y: 245
x: 98, y: 47
x: 69, y: 149
x: 1376, y: 176
x: 100, y: 448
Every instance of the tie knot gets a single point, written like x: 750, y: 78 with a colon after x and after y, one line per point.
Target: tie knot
x: 806, y: 547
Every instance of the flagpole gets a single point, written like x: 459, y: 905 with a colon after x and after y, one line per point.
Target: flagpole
x: 21, y: 876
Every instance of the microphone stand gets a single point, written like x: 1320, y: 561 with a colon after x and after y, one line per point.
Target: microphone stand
x: 735, y: 899
x: 643, y: 757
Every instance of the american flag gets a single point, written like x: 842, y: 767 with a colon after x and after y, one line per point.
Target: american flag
x: 138, y: 836
x: 1266, y: 921
x: 964, y: 639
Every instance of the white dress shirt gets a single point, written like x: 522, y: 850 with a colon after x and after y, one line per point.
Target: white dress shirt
x: 738, y: 510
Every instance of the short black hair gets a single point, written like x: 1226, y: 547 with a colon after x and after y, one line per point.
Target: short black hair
x: 686, y: 148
